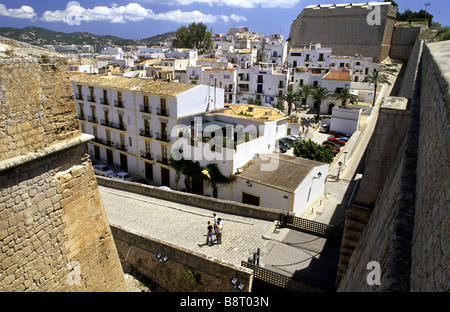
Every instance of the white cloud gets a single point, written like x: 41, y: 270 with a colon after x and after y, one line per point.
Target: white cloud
x: 24, y: 11
x: 131, y: 12
x: 247, y: 4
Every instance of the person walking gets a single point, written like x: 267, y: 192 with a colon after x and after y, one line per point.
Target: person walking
x: 216, y: 218
x: 219, y: 231
x: 209, y: 235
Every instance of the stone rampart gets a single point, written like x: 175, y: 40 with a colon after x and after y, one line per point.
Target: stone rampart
x: 431, y: 244
x: 408, y: 229
x: 346, y: 29
x: 183, y: 271
x: 214, y: 204
x: 54, y: 235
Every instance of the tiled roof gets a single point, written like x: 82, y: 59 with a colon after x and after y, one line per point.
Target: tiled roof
x: 151, y: 86
x: 337, y: 76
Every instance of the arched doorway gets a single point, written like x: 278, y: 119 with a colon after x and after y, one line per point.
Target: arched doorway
x: 330, y: 108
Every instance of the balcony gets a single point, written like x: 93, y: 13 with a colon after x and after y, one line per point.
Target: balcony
x: 81, y: 117
x: 79, y: 97
x: 121, y: 147
x: 145, y: 109
x: 92, y: 119
x: 91, y: 98
x: 163, y: 160
x: 103, y: 142
x: 162, y: 137
x: 162, y: 112
x: 104, y: 101
x: 148, y: 156
x: 118, y: 126
x: 118, y: 104
x: 146, y: 133
x: 192, y: 77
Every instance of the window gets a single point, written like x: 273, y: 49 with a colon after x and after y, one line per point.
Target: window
x: 147, y: 147
x: 94, y: 130
x: 130, y: 141
x: 122, y: 139
x: 83, y: 127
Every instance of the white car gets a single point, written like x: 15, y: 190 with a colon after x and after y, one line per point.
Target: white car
x: 103, y: 170
x: 124, y: 176
x: 295, y: 137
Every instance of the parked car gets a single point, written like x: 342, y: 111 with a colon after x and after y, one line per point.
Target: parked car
x: 103, y: 170
x: 124, y: 176
x: 140, y: 180
x: 285, y: 142
x: 332, y: 144
x: 324, y: 128
x: 295, y: 137
x: 163, y: 187
x: 337, y: 140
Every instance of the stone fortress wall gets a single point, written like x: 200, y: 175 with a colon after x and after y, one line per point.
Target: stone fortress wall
x: 408, y: 228
x: 345, y: 29
x: 54, y: 235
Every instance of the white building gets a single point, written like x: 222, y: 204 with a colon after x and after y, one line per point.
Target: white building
x: 262, y: 83
x: 134, y: 121
x: 280, y: 181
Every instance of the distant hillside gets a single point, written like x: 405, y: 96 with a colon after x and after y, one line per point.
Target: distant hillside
x: 41, y: 36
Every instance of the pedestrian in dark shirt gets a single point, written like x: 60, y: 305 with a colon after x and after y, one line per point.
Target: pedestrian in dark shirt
x: 209, y: 235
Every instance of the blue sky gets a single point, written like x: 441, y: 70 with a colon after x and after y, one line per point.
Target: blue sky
x: 137, y: 19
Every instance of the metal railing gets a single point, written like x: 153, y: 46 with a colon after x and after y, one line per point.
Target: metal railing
x: 162, y: 137
x: 162, y: 160
x: 162, y: 112
x: 146, y: 133
x: 92, y: 119
x: 145, y: 109
x: 91, y: 98
x: 118, y: 103
x: 312, y: 227
x: 104, y: 101
x: 146, y: 155
x: 279, y: 280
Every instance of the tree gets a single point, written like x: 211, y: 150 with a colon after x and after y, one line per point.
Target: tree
x: 290, y: 97
x: 345, y: 95
x: 376, y: 78
x: 305, y: 91
x: 320, y: 94
x: 195, y: 36
x: 311, y: 150
x: 410, y: 16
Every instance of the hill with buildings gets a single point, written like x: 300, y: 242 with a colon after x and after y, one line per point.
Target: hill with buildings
x: 42, y: 36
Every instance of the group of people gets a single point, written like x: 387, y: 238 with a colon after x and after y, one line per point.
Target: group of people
x: 216, y: 230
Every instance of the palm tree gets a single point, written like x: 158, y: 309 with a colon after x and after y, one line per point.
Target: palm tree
x: 345, y: 95
x: 320, y: 94
x: 376, y: 78
x: 305, y: 91
x: 290, y: 97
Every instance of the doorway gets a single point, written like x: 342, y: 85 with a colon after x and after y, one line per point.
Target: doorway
x: 165, y: 176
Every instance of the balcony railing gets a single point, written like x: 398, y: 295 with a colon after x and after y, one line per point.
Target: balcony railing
x: 118, y: 126
x: 104, y: 142
x: 79, y: 97
x: 104, y: 101
x: 162, y: 160
x: 81, y: 117
x: 162, y: 137
x: 146, y: 133
x: 121, y: 147
x: 162, y: 112
x: 145, y: 109
x: 91, y: 98
x: 148, y: 156
x: 92, y: 119
x: 118, y: 104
